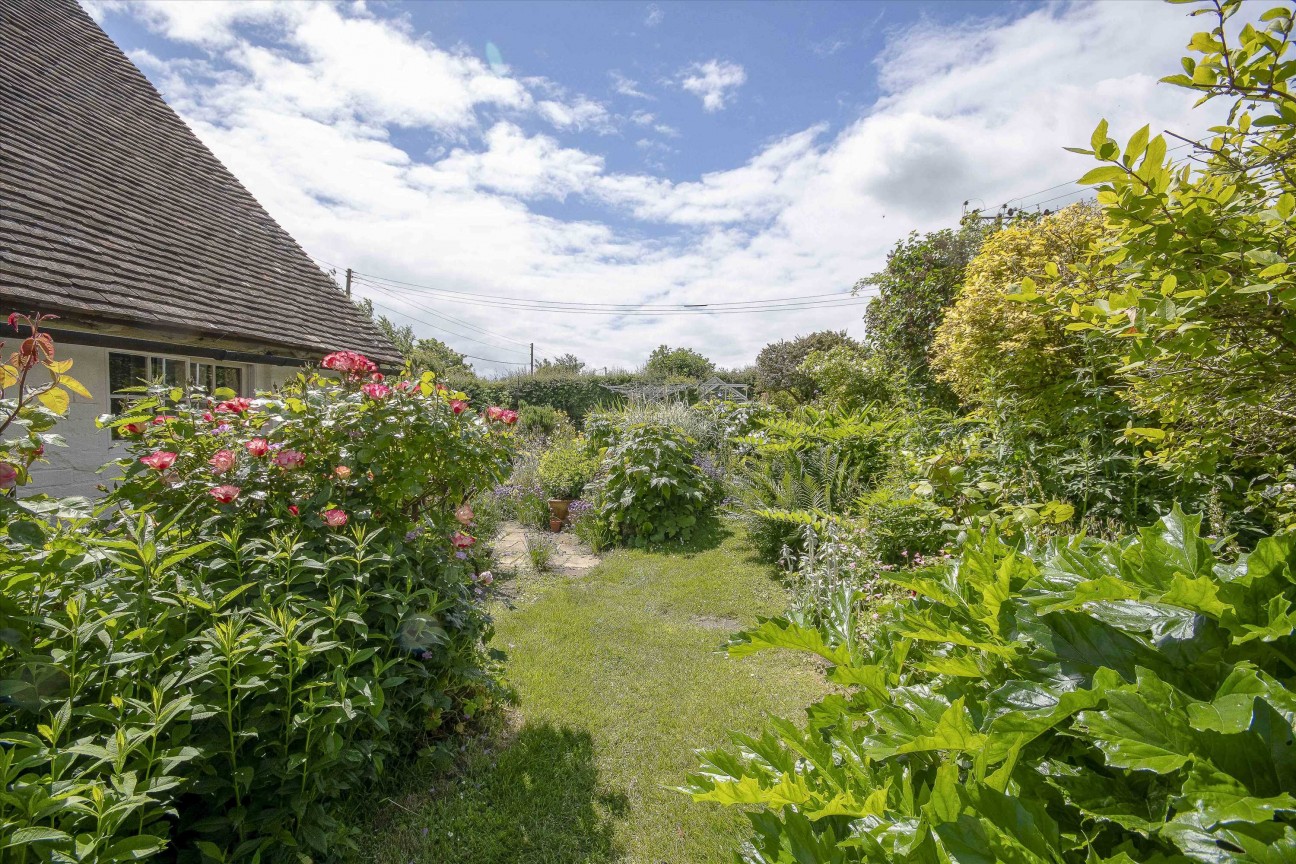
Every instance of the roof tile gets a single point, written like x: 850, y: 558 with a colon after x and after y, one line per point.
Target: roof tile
x: 110, y: 206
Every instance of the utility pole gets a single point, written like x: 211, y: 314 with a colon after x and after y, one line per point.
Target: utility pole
x: 348, y: 283
x: 532, y: 358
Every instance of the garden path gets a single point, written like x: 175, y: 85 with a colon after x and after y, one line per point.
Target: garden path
x: 619, y: 676
x: 569, y: 557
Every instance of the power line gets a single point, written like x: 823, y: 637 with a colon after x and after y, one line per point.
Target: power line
x: 527, y: 300
x: 467, y: 324
x: 842, y: 299
x: 1004, y: 206
x: 473, y: 356
x: 435, y: 326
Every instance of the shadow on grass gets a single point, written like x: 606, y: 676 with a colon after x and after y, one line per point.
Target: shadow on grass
x: 709, y: 534
x: 529, y: 798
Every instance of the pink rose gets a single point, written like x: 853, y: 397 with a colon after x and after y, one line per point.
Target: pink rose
x: 509, y: 417
x: 161, y: 419
x: 462, y: 540
x: 289, y: 459
x: 342, y: 472
x: 223, y: 461
x: 485, y: 577
x: 354, y: 366
x: 133, y: 429
x: 8, y: 473
x: 292, y: 508
x: 376, y: 390
x: 458, y: 406
x: 234, y: 406
x: 224, y: 494
x: 464, y: 514
x: 258, y: 447
x: 160, y: 460
x: 208, y: 417
x: 494, y: 413
x: 335, y: 518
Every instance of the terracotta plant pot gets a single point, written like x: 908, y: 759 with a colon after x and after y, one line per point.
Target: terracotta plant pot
x: 555, y: 525
x: 558, y: 509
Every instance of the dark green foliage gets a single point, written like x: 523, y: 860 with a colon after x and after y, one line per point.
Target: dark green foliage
x: 677, y: 364
x: 778, y: 365
x: 213, y: 676
x: 577, y: 395
x: 806, y: 468
x: 1086, y: 701
x: 898, y: 525
x: 541, y: 421
x: 650, y: 489
x: 922, y: 275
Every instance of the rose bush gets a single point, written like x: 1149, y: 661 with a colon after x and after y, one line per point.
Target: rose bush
x: 268, y: 611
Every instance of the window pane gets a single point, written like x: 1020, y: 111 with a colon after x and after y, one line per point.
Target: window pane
x: 231, y: 377
x: 200, y: 375
x: 126, y: 370
x: 173, y: 374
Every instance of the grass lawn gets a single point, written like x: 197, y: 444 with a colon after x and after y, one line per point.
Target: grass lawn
x: 619, y: 678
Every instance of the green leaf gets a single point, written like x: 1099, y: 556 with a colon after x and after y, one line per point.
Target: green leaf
x: 1104, y: 174
x: 23, y: 836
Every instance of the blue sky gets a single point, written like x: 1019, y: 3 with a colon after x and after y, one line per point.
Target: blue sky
x: 642, y: 152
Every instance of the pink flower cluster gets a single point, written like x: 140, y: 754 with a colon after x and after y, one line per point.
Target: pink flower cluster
x: 503, y: 415
x: 354, y: 366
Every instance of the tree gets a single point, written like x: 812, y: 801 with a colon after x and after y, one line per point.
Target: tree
x: 778, y: 365
x: 565, y: 364
x: 433, y: 355
x: 681, y: 363
x: 848, y: 376
x: 921, y: 277
x: 402, y: 337
x: 1203, y: 296
x: 423, y: 355
x: 988, y: 345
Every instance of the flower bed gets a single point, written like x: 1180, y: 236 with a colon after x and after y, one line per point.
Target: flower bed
x: 268, y: 612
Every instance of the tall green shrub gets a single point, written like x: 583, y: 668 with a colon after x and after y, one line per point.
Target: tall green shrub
x: 650, y: 489
x: 270, y: 610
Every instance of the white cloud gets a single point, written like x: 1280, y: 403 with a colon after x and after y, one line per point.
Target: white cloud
x: 627, y: 86
x: 654, y: 15
x: 714, y: 82
x: 979, y: 112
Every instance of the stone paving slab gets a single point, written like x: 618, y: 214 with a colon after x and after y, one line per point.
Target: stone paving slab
x: 569, y: 557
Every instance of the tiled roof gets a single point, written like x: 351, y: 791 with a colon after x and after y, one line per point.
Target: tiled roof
x: 111, y: 209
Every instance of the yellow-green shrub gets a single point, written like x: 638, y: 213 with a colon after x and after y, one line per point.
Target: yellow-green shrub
x: 987, y: 336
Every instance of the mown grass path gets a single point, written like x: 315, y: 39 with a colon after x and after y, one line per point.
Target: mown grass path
x: 620, y: 677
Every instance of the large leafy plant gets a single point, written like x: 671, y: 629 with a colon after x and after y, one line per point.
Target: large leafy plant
x: 807, y: 468
x: 566, y: 467
x: 1086, y: 701
x: 650, y: 490
x: 275, y: 604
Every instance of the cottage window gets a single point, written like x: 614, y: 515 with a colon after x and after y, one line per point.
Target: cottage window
x: 135, y: 370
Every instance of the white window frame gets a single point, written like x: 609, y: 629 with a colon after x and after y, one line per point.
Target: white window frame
x: 245, y: 371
